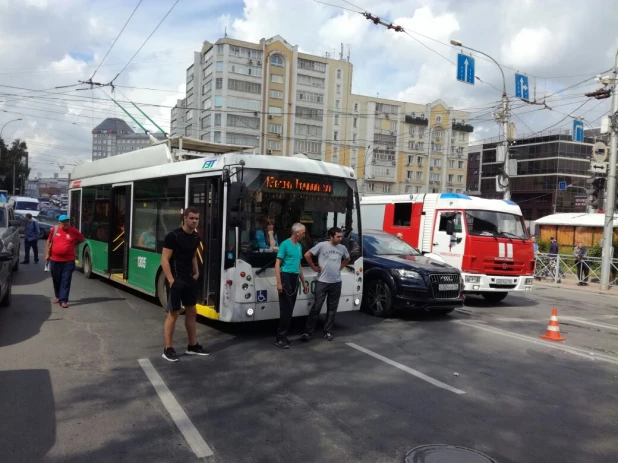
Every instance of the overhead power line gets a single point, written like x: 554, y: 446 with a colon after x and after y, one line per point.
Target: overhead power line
x: 115, y: 40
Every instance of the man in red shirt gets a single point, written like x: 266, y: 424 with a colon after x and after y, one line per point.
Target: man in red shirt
x: 61, y: 257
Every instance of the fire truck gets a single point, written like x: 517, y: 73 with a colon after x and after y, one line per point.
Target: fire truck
x: 485, y: 238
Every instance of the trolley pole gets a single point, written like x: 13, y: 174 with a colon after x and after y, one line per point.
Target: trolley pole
x: 608, y: 232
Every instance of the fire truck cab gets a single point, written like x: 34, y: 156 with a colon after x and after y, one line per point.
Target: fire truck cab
x: 485, y: 238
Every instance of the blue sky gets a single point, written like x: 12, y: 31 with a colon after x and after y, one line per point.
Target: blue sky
x: 49, y: 43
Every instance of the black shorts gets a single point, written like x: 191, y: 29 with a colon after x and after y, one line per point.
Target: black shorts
x: 182, y: 293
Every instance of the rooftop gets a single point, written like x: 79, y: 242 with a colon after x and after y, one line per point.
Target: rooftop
x: 115, y: 125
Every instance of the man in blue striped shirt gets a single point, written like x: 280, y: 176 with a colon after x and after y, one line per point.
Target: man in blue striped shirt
x: 32, y: 234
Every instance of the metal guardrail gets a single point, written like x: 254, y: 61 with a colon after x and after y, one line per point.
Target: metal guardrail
x: 563, y: 266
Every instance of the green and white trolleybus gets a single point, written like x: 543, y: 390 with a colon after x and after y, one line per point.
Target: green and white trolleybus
x: 126, y: 204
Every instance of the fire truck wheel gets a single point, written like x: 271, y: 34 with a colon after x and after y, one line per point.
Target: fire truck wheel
x: 378, y: 299
x: 494, y: 297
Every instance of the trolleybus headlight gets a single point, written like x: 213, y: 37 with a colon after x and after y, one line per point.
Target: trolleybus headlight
x: 356, y: 301
x: 358, y: 288
x: 249, y: 312
x: 248, y: 277
x: 248, y: 296
x: 245, y: 286
x: 473, y: 279
x: 529, y: 281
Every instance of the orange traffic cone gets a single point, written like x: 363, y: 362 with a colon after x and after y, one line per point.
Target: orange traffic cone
x: 553, y: 329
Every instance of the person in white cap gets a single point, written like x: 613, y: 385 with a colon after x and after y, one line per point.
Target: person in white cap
x: 61, y: 257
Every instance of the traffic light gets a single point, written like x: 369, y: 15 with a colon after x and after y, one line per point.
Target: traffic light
x: 596, y: 194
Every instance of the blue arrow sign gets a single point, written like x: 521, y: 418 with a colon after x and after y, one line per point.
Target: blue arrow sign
x: 465, y: 69
x: 578, y: 131
x: 522, y: 90
x: 562, y: 186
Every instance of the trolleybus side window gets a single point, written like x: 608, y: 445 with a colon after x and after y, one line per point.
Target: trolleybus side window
x: 95, y: 210
x: 145, y: 198
x: 403, y: 214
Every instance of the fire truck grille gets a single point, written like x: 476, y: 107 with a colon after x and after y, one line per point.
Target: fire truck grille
x: 493, y: 267
x: 447, y: 279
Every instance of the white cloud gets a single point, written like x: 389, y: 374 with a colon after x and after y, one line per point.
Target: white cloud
x: 529, y: 47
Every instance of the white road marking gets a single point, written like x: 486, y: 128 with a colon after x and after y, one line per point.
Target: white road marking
x: 584, y: 353
x: 409, y: 370
x: 188, y: 430
x: 607, y: 326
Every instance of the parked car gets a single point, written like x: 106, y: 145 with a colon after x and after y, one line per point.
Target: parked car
x: 399, y: 276
x: 23, y: 204
x: 43, y: 226
x: 9, y: 241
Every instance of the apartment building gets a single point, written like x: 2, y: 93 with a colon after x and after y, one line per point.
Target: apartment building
x: 270, y: 96
x: 114, y: 136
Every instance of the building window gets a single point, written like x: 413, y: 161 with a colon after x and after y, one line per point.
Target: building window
x: 218, y: 101
x: 377, y: 124
x: 337, y: 104
x: 206, y: 122
x: 337, y: 120
x: 277, y: 61
x: 220, y: 49
x: 353, y: 138
x: 462, y: 136
x: 419, y: 161
x: 411, y: 130
x: 255, y: 71
x: 460, y: 164
x: 311, y: 81
x: 311, y: 97
x: 419, y: 175
x: 208, y: 70
x: 370, y: 186
x: 307, y: 146
x: 219, y: 66
x: 460, y: 179
x: 219, y: 83
x: 436, y: 162
x: 276, y: 78
x: 275, y: 128
x: 338, y: 89
x: 309, y: 113
x: 242, y: 103
x: 438, y: 119
x: 276, y: 94
x: 439, y: 134
x: 244, y: 86
x: 305, y: 129
x: 450, y: 178
x: 410, y: 145
x: 241, y: 139
x: 207, y: 104
x: 451, y: 164
x: 386, y: 188
x: 355, y: 122
x: 217, y: 137
x: 274, y: 145
x: 336, y: 136
x: 234, y: 120
x: 338, y: 73
x: 217, y: 119
x: 421, y: 132
x: 275, y: 110
x: 394, y: 125
x: 386, y: 108
x: 311, y: 65
x: 355, y: 106
x: 188, y: 130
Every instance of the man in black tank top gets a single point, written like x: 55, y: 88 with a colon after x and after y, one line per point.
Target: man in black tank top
x: 180, y: 265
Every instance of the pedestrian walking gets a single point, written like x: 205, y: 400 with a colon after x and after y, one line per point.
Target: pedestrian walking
x: 60, y: 256
x: 288, y: 272
x: 581, y: 252
x: 32, y: 233
x: 332, y: 258
x: 180, y: 266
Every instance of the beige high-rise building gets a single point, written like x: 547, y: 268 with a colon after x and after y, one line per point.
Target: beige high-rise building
x: 271, y: 96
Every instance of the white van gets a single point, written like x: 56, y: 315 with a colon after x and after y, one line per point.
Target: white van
x: 23, y: 205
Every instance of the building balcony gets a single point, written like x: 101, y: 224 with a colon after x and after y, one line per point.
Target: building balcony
x: 417, y: 121
x: 460, y: 127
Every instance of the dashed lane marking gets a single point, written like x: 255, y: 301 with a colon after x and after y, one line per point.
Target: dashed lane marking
x: 186, y: 427
x: 409, y: 370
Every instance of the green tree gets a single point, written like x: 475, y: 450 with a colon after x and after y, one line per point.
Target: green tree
x: 14, y: 162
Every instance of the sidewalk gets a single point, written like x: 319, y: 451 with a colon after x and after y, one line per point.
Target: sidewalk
x: 571, y: 283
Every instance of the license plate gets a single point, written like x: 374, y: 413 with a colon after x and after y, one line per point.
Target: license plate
x: 503, y: 281
x: 448, y: 287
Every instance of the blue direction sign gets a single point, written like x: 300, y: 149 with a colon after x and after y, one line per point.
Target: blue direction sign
x: 562, y: 186
x: 465, y: 69
x: 522, y: 90
x: 578, y: 131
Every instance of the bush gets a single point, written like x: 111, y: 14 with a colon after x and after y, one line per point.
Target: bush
x: 543, y: 246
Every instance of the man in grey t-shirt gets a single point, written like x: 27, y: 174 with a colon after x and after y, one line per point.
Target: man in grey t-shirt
x: 332, y: 258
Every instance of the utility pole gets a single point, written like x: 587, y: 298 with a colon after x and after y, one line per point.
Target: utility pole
x: 608, y: 232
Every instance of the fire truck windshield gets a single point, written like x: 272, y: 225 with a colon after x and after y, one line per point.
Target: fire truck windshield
x: 494, y: 223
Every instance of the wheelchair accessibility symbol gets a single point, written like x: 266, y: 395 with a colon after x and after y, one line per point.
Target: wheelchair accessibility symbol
x: 262, y: 295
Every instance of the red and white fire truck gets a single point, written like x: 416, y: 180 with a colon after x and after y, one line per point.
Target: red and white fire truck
x: 485, y: 238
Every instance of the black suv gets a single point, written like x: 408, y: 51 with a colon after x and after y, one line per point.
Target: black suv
x: 399, y: 276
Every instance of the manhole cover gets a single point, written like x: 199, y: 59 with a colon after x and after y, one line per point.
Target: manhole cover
x: 445, y: 454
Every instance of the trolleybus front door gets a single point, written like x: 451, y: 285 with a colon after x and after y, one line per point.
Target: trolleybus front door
x: 119, y: 231
x: 205, y: 194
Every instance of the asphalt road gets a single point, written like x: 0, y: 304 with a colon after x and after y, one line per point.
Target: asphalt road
x: 72, y: 387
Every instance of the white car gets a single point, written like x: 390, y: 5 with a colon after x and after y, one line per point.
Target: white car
x: 23, y: 205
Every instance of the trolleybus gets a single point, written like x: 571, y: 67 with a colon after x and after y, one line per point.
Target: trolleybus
x: 126, y: 204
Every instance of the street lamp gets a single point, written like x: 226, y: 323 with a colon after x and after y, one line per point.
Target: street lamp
x: 504, y: 117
